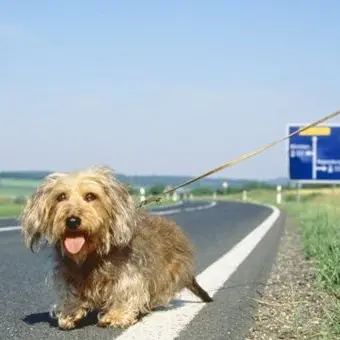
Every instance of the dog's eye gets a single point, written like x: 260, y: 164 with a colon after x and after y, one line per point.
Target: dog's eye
x: 61, y: 197
x: 90, y: 197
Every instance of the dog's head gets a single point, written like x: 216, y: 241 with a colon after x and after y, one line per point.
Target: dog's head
x: 81, y: 212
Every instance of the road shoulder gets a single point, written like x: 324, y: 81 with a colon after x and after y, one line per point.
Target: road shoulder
x: 291, y: 306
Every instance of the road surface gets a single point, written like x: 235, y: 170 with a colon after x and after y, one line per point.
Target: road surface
x: 232, y: 280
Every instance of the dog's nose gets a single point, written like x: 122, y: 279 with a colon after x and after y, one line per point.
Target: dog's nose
x: 73, y: 222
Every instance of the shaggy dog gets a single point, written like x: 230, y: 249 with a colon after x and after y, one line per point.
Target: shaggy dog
x: 109, y: 255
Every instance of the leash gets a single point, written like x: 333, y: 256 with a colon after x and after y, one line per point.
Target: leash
x: 157, y: 198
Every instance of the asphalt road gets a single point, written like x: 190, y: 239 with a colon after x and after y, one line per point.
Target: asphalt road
x: 215, y: 230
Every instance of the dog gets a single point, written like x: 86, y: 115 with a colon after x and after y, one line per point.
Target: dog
x: 109, y: 255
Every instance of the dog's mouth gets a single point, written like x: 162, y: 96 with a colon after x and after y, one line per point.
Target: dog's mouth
x: 74, y: 243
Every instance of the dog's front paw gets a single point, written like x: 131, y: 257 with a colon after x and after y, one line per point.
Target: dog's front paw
x: 66, y: 322
x: 69, y: 321
x: 117, y: 318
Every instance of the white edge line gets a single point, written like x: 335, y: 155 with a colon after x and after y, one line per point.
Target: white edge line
x: 176, y: 211
x: 168, y: 324
x: 10, y: 228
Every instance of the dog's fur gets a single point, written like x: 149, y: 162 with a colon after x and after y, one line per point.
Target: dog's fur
x: 131, y: 261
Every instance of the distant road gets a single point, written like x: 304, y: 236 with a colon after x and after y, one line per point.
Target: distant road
x: 8, y: 222
x: 215, y: 230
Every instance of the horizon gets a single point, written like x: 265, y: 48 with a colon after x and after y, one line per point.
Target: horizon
x: 215, y: 178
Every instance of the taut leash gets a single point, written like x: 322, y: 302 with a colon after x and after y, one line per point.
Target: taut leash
x: 157, y: 198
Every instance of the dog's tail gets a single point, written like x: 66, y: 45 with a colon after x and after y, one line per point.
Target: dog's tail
x: 194, y: 287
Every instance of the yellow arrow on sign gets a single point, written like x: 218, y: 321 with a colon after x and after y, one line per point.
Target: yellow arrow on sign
x: 316, y: 131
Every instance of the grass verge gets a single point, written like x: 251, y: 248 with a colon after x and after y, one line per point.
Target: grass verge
x: 319, y: 226
x: 320, y: 237
x: 10, y: 210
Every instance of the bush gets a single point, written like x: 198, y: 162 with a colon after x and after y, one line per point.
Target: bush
x: 19, y: 200
x: 202, y: 191
x: 132, y: 190
x: 156, y: 189
x: 5, y: 200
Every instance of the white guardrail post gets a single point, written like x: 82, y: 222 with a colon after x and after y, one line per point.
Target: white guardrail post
x: 278, y: 194
x: 142, y: 194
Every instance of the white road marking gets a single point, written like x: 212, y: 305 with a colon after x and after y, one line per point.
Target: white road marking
x: 176, y: 211
x: 201, y: 207
x: 158, y: 212
x: 168, y: 324
x: 9, y: 228
x: 166, y: 212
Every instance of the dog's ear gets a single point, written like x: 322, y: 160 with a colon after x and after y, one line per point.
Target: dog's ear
x: 34, y: 217
x: 120, y: 207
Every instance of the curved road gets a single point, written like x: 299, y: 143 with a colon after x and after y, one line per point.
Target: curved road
x: 215, y: 230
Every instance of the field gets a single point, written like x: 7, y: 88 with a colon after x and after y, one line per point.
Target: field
x: 12, y: 195
x: 14, y: 191
x: 16, y: 187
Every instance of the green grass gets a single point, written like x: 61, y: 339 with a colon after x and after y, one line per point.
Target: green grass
x: 17, y: 187
x: 10, y: 210
x: 15, y: 192
x: 319, y: 226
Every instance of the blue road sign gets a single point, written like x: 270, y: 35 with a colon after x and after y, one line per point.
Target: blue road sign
x: 314, y: 154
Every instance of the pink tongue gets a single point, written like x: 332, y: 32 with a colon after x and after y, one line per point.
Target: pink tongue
x: 74, y: 244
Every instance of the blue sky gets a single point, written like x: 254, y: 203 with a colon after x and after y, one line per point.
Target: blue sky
x: 151, y: 87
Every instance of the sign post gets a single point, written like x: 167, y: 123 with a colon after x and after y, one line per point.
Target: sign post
x: 314, y: 154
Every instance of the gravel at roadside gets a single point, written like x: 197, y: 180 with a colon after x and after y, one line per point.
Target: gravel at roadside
x: 292, y: 306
